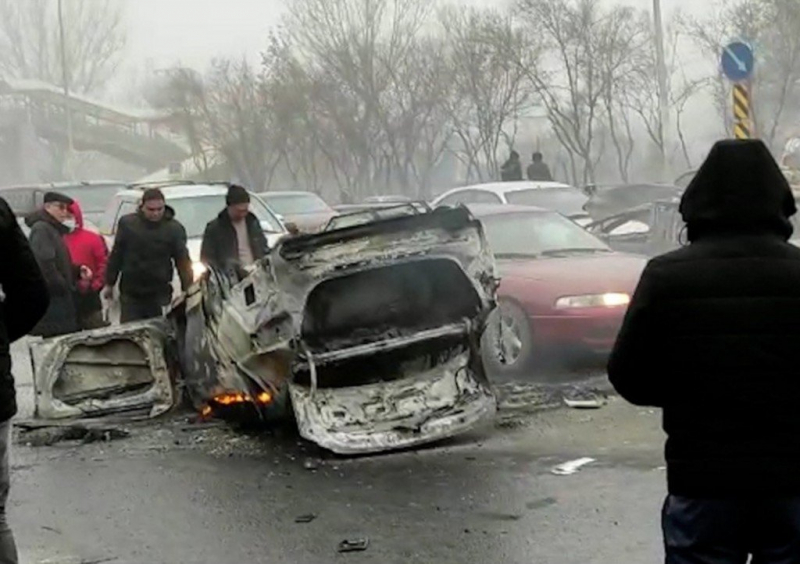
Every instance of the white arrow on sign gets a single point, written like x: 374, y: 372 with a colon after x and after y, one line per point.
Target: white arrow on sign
x: 739, y: 63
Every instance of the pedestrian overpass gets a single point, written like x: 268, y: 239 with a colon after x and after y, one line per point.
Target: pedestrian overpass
x: 139, y: 137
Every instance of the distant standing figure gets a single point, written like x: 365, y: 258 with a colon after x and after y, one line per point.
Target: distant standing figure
x: 538, y: 171
x: 148, y: 244
x: 87, y: 248
x: 512, y: 169
x: 234, y: 240
x: 48, y: 227
x: 25, y: 300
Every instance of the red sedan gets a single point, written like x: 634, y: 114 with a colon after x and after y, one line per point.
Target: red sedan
x: 562, y: 288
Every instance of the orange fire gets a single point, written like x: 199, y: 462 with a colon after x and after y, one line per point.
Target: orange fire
x: 233, y: 398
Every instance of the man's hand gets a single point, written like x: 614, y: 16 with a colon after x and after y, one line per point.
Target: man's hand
x: 86, y: 273
x: 108, y: 293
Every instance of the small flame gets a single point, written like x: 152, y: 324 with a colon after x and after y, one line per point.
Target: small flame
x: 233, y: 398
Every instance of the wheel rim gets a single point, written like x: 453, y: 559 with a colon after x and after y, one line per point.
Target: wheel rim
x: 508, y: 346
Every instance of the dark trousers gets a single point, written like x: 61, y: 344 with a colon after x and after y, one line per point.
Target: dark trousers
x: 136, y: 308
x: 728, y: 531
x: 90, y: 310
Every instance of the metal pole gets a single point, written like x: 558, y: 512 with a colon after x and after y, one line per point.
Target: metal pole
x: 663, y: 89
x: 65, y: 78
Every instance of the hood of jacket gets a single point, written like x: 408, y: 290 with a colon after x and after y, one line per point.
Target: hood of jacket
x: 42, y: 215
x: 249, y: 219
x: 169, y: 215
x: 76, y: 211
x: 739, y: 189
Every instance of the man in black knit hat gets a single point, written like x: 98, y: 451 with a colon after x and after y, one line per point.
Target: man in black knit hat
x: 711, y: 337
x: 234, y: 240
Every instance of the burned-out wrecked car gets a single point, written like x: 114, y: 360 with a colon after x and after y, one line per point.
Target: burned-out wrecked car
x: 370, y: 335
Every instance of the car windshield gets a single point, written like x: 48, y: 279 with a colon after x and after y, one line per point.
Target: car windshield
x: 530, y: 234
x: 289, y: 204
x: 194, y: 213
x: 94, y: 198
x: 566, y: 201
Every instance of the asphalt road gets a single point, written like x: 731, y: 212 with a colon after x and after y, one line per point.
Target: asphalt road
x: 184, y: 493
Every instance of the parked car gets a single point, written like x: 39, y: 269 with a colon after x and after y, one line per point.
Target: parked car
x: 654, y: 229
x: 322, y: 331
x: 562, y: 290
x: 367, y: 213
x: 611, y: 199
x: 305, y: 210
x: 195, y: 206
x: 387, y: 199
x: 94, y: 197
x: 562, y: 198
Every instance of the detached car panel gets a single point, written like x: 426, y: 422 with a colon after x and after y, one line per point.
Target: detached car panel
x: 125, y: 370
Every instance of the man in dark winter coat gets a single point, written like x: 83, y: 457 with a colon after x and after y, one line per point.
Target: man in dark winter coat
x: 24, y: 301
x: 48, y: 227
x: 712, y: 337
x: 511, y: 169
x: 234, y: 240
x: 538, y: 171
x: 147, y: 245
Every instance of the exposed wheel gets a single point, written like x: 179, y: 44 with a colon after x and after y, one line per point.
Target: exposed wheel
x: 507, y: 346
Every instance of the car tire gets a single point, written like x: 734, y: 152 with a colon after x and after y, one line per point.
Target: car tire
x: 514, y: 354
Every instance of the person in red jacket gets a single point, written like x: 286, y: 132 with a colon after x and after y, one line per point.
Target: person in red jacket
x: 89, y: 249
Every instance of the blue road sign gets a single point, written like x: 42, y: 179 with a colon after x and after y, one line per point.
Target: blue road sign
x: 738, y: 61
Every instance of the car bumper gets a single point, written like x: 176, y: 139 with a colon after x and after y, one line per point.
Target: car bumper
x: 593, y: 330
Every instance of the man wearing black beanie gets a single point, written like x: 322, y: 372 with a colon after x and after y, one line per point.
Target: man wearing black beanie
x: 234, y: 240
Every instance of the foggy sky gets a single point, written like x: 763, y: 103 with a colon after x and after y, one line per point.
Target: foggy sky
x: 191, y: 32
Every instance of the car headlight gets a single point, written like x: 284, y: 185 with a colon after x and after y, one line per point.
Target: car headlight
x: 198, y: 269
x: 593, y: 300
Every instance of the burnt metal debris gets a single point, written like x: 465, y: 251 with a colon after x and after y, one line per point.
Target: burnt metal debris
x: 368, y: 335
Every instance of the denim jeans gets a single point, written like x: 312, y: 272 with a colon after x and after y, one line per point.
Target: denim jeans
x: 729, y: 531
x: 8, y: 549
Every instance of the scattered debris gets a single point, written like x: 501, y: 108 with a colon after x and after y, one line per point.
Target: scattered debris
x: 51, y: 435
x: 303, y: 519
x: 579, y: 398
x: 571, y: 467
x: 311, y: 464
x: 354, y: 545
x: 541, y: 503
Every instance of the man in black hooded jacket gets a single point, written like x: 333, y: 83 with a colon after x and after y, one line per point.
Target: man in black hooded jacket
x: 23, y: 302
x: 712, y: 337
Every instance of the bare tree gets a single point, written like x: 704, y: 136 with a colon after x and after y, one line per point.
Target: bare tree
x: 350, y: 52
x: 771, y: 25
x: 29, y: 41
x: 227, y: 118
x: 488, y: 60
x: 588, y: 50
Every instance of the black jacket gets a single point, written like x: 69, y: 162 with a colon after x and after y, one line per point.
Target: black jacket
x: 144, y: 253
x: 511, y: 170
x: 220, y: 249
x: 539, y: 172
x: 60, y: 275
x: 25, y: 300
x: 712, y: 334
